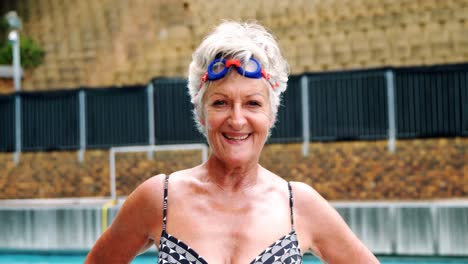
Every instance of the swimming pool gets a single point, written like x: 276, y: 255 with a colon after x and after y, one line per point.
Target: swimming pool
x: 147, y: 259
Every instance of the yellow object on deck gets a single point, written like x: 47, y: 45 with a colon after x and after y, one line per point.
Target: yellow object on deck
x: 105, y: 214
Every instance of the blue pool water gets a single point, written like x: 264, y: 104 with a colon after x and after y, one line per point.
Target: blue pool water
x: 146, y: 259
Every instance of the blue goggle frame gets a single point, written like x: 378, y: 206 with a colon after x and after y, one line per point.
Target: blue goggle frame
x: 257, y: 73
x: 212, y: 75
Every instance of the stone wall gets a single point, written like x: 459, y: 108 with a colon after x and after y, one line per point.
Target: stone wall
x: 6, y: 86
x: 359, y: 170
x: 121, y: 42
x: 117, y: 42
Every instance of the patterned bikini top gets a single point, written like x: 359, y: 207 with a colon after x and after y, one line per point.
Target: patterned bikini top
x: 284, y: 250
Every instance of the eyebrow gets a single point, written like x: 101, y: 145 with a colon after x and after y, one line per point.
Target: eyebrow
x: 214, y: 94
x: 250, y: 95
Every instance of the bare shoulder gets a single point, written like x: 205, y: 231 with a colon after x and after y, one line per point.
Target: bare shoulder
x: 185, y: 174
x: 149, y: 193
x: 145, y: 204
x: 323, y: 231
x: 308, y: 200
x: 136, y: 226
x: 304, y: 190
x: 151, y: 185
x: 186, y: 177
x: 313, y: 212
x: 273, y: 179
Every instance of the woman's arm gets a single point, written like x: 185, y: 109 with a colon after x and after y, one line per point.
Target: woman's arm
x: 324, y: 230
x: 130, y: 232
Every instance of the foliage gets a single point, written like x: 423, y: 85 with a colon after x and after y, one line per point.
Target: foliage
x: 32, y: 55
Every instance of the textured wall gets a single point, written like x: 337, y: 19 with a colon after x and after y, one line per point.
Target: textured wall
x: 6, y: 85
x: 420, y: 169
x: 113, y: 42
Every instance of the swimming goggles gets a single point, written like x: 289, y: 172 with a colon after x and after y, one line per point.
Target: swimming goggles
x: 218, y: 68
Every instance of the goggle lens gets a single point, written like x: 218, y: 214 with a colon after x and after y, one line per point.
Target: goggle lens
x: 250, y: 69
x: 250, y: 66
x: 218, y: 67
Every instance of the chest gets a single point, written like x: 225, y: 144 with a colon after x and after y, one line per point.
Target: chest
x: 229, y: 232
x: 284, y: 250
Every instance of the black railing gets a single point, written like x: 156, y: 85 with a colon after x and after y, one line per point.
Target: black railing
x: 49, y: 120
x: 173, y: 113
x: 349, y: 105
x: 116, y: 117
x: 430, y: 102
x: 288, y: 127
x: 7, y: 123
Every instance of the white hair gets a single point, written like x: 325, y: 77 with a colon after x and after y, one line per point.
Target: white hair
x: 239, y: 41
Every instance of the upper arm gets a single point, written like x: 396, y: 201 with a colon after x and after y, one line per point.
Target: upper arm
x: 130, y: 231
x: 324, y: 230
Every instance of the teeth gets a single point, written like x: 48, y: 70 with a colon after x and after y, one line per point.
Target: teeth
x: 236, y: 138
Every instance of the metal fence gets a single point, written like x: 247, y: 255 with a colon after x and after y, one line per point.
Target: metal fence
x: 349, y: 105
x: 173, y: 113
x: 49, y: 120
x: 430, y: 102
x: 288, y: 126
x: 7, y: 123
x: 116, y: 117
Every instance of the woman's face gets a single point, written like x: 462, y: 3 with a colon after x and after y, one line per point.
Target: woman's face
x: 237, y: 118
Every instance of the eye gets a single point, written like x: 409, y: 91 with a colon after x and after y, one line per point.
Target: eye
x: 219, y: 103
x: 254, y: 103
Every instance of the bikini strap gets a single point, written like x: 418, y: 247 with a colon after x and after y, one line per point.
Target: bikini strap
x: 291, y: 204
x: 166, y: 185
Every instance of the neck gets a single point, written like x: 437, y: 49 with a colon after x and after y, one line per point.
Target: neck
x: 232, y: 178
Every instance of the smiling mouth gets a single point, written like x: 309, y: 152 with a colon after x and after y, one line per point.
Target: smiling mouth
x: 236, y: 138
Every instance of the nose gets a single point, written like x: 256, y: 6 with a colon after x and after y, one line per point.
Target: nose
x: 237, y: 118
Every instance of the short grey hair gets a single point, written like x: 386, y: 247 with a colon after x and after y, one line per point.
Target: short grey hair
x: 239, y: 40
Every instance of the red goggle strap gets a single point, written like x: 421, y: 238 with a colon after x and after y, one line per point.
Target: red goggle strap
x: 266, y: 75
x: 203, y: 80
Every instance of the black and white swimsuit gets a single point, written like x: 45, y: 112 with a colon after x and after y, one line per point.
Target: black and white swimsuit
x: 284, y: 250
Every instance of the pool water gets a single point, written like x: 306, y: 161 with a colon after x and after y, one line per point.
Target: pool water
x: 146, y: 259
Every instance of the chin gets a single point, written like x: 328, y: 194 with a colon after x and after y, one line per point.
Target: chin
x: 238, y: 160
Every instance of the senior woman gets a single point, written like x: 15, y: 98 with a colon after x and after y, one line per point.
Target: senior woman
x: 230, y: 209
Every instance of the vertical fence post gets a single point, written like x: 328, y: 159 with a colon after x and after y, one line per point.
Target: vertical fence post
x: 113, y: 191
x: 305, y: 115
x: 82, y: 114
x: 16, y: 155
x: 390, y: 78
x: 151, y: 141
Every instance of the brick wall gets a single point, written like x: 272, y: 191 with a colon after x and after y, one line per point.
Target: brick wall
x: 420, y: 169
x: 110, y: 42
